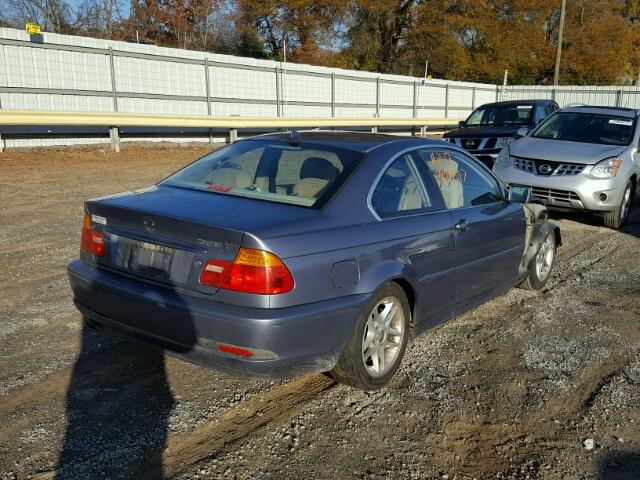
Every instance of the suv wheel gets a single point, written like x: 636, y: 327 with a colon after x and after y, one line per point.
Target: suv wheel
x: 374, y: 351
x: 618, y: 217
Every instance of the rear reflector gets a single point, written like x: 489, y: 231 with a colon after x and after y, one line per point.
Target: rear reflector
x: 213, y: 272
x: 252, y: 271
x: 237, y: 351
x: 91, y: 241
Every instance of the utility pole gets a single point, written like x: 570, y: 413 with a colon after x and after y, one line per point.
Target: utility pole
x: 556, y: 73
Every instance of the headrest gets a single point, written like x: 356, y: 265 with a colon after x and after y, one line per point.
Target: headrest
x: 230, y: 177
x: 316, y: 167
x: 450, y: 167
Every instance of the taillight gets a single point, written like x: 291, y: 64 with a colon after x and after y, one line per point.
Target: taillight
x: 252, y: 271
x: 92, y: 241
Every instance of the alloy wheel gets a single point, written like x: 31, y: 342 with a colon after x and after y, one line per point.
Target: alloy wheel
x: 383, y: 336
x: 544, y: 258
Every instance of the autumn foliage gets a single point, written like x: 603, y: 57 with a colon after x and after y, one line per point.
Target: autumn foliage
x: 474, y: 40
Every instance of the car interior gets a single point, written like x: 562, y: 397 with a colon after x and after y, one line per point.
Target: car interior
x: 449, y: 178
x: 278, y: 170
x: 398, y: 190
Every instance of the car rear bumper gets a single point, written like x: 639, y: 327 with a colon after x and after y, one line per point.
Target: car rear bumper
x: 289, y: 341
x: 578, y: 192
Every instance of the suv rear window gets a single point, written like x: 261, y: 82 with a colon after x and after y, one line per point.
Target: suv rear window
x: 587, y: 128
x: 305, y: 175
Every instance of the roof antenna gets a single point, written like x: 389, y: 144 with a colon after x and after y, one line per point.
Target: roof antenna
x: 294, y: 138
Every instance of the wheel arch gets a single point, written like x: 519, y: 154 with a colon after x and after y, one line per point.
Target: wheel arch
x: 393, y: 271
x: 410, y: 292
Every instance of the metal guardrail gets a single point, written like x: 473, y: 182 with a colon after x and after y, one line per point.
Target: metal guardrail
x: 114, y: 121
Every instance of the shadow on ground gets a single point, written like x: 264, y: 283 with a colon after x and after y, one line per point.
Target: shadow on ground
x: 119, y: 400
x: 619, y: 466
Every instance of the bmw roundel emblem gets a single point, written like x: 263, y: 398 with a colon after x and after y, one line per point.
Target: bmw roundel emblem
x: 149, y: 223
x: 545, y: 169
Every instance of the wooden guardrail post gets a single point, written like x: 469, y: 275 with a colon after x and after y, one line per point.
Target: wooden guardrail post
x: 114, y: 135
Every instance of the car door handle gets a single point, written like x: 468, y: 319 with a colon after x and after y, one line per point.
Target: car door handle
x: 461, y: 226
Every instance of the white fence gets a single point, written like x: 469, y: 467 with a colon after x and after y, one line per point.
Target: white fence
x: 612, y: 96
x: 79, y: 74
x: 69, y: 73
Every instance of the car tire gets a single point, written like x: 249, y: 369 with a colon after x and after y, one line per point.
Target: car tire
x: 375, y: 350
x: 617, y: 218
x: 541, y: 265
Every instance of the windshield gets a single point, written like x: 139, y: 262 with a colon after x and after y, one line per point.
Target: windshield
x: 511, y: 114
x: 266, y: 170
x: 587, y: 128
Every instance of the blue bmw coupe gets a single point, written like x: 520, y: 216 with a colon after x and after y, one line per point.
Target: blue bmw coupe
x: 300, y: 252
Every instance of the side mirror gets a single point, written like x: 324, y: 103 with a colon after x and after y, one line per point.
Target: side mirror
x: 461, y: 123
x: 519, y: 194
x: 522, y: 132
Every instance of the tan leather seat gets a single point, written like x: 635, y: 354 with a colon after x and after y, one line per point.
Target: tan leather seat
x: 230, y: 177
x: 316, y: 173
x: 411, y: 197
x: 448, y: 177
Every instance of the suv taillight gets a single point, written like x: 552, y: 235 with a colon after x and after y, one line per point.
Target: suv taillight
x: 91, y: 241
x: 252, y: 271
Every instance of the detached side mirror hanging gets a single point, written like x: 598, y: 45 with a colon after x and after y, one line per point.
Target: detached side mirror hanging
x: 519, y: 194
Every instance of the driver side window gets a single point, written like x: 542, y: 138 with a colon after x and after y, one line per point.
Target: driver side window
x: 462, y: 182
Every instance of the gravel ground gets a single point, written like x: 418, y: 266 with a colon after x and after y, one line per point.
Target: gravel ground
x: 528, y: 386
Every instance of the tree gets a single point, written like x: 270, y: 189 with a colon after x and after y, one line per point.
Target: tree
x: 305, y: 25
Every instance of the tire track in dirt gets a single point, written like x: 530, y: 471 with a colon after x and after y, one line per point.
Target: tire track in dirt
x: 185, y: 451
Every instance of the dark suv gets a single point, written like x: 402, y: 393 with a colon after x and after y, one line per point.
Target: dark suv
x: 493, y: 126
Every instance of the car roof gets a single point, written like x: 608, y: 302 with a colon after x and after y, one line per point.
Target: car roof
x: 595, y: 110
x: 519, y: 102
x: 349, y: 140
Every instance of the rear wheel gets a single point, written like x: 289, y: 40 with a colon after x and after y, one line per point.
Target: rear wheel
x: 616, y: 218
x: 542, y: 264
x: 374, y: 351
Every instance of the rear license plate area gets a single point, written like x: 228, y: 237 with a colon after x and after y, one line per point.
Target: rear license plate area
x: 150, y: 259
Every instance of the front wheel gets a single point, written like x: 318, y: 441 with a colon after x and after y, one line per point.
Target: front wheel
x: 376, y: 347
x: 617, y: 217
x: 542, y: 264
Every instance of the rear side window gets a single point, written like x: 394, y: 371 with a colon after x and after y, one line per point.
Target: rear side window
x: 272, y: 171
x: 399, y: 191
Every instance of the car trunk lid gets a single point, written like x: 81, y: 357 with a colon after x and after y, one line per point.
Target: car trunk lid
x: 166, y: 235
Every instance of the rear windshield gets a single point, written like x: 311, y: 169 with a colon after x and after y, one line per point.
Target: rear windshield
x: 501, y: 115
x: 304, y: 175
x: 587, y: 128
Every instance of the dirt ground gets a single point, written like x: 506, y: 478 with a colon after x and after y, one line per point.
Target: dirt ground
x: 513, y: 389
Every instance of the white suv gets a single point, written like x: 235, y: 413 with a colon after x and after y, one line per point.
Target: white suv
x: 580, y: 158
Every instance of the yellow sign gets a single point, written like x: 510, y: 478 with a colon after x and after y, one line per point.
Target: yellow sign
x: 33, y: 28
